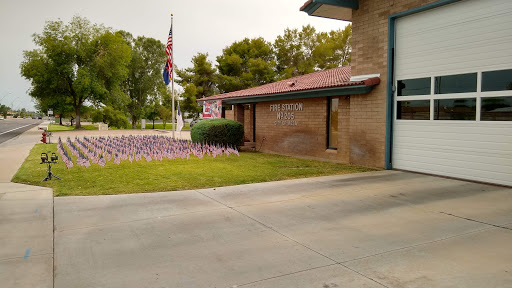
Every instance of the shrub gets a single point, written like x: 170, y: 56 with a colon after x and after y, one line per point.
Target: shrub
x: 218, y: 131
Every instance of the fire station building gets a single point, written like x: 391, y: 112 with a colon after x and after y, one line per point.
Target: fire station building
x: 429, y: 90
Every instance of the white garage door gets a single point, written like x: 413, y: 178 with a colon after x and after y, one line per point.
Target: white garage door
x: 453, y: 91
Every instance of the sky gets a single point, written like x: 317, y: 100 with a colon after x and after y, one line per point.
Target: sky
x: 205, y: 26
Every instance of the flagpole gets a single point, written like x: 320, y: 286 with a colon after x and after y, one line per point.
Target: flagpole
x: 172, y: 85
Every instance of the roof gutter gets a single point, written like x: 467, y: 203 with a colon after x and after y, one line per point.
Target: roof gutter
x: 336, y: 91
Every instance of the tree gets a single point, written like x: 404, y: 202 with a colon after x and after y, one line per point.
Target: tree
x: 165, y: 114
x: 78, y: 61
x: 189, y: 104
x: 60, y: 105
x: 197, y: 81
x: 333, y: 48
x: 152, y: 112
x: 144, y: 82
x: 23, y: 112
x: 244, y: 64
x: 110, y: 116
x: 302, y: 52
x: 4, y: 110
x: 294, y: 52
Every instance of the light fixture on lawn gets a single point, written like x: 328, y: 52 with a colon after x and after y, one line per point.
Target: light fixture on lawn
x: 53, y: 160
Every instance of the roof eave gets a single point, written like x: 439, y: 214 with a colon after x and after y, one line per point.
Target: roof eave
x: 326, y: 92
x: 333, y: 9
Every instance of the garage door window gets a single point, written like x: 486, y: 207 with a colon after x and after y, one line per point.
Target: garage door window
x: 413, y: 110
x: 496, y: 109
x: 461, y: 83
x: 497, y: 80
x: 476, y: 96
x: 411, y: 87
x: 455, y: 109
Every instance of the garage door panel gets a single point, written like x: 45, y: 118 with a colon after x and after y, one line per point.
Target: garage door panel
x: 444, y: 154
x: 460, y: 144
x: 499, y: 49
x: 454, y: 14
x: 455, y: 157
x: 452, y: 33
x: 448, y: 41
x: 454, y: 62
x: 420, y: 42
x: 405, y: 135
x: 438, y: 44
x: 463, y: 172
x: 467, y: 36
x: 450, y: 127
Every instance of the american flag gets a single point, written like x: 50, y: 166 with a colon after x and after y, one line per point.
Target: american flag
x: 168, y: 65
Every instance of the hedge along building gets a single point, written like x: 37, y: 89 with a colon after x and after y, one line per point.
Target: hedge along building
x: 445, y: 102
x: 309, y: 116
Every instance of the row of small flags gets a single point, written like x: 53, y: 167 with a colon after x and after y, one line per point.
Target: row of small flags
x: 99, y: 150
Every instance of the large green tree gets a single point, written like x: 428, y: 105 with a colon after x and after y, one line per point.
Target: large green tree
x: 78, y: 61
x: 305, y: 51
x: 144, y: 82
x: 294, y: 52
x: 198, y: 81
x: 333, y: 49
x: 246, y: 64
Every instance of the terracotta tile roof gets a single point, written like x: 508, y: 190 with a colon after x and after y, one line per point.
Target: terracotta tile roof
x: 336, y: 77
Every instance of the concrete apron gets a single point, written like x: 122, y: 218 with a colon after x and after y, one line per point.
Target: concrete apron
x: 380, y: 229
x: 26, y: 221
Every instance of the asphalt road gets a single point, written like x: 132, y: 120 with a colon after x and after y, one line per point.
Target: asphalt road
x: 10, y: 128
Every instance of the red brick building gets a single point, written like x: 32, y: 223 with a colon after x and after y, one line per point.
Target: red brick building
x: 443, y: 105
x: 306, y: 116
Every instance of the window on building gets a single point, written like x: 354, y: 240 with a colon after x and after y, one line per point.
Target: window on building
x: 332, y: 128
x: 410, y: 87
x: 455, y: 109
x: 461, y: 83
x: 413, y: 110
x: 497, y: 80
x: 496, y: 109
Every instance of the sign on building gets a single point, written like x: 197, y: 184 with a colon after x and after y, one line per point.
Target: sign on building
x: 212, y: 109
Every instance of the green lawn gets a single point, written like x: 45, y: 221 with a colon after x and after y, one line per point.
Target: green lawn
x: 169, y: 175
x: 57, y: 127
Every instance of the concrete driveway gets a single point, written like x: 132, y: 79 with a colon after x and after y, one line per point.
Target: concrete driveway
x: 379, y: 229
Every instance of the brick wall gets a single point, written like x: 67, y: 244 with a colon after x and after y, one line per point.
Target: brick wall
x: 307, y: 134
x: 230, y: 114
x: 369, y: 56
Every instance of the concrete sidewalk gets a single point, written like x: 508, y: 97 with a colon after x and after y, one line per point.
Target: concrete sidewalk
x: 26, y: 221
x: 378, y: 229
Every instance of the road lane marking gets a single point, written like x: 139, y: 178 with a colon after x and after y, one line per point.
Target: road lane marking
x: 15, y: 129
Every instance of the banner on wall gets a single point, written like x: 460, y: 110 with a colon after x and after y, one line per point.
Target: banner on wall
x: 212, y: 109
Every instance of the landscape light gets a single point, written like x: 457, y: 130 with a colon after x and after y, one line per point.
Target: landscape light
x: 53, y: 160
x: 44, y: 158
